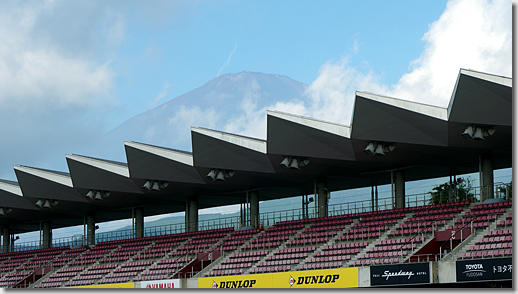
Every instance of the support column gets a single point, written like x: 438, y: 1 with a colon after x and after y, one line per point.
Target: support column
x: 191, y: 215
x: 486, y: 175
x: 90, y: 229
x: 372, y: 199
x: 139, y: 222
x: 254, y: 209
x: 322, y: 199
x: 6, y: 238
x: 400, y: 188
x: 376, y: 198
x: 47, y: 234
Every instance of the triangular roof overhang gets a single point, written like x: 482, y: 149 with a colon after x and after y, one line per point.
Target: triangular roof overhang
x: 227, y: 151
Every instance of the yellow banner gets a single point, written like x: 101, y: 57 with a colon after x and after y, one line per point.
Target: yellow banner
x: 118, y: 285
x: 329, y: 278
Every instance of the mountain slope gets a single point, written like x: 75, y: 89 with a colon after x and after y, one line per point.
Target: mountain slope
x: 227, y: 103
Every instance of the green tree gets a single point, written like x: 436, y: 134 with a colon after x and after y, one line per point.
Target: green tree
x: 502, y: 189
x: 463, y: 191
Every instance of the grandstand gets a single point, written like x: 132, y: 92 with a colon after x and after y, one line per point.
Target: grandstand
x: 390, y: 141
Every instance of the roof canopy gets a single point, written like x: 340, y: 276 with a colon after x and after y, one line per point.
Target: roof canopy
x: 426, y: 141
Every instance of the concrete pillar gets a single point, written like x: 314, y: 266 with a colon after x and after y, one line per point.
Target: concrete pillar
x: 400, y: 188
x: 47, y: 234
x: 373, y: 205
x: 486, y: 174
x: 254, y: 208
x: 6, y: 238
x: 322, y: 199
x: 90, y: 229
x: 139, y: 222
x: 193, y: 214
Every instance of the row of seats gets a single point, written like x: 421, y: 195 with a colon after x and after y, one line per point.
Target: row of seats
x: 241, y: 259
x: 338, y: 252
x: 495, y: 239
x: 322, y: 265
x: 225, y: 272
x: 287, y: 256
x: 328, y: 258
x: 492, y: 205
x: 232, y: 266
x: 367, y: 262
x: 486, y: 254
x: 270, y: 269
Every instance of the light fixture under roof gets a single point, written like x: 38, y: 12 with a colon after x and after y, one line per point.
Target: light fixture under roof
x: 90, y: 194
x: 370, y: 148
x: 5, y: 210
x: 147, y: 185
x: 46, y: 204
x: 154, y: 185
x: 294, y: 162
x: 468, y: 132
x: 39, y: 203
x: 97, y: 194
x: 220, y: 174
x: 478, y: 133
x: 212, y: 174
x: 379, y: 148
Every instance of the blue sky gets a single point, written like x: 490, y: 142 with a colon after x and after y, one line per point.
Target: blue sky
x: 293, y: 38
x: 72, y: 70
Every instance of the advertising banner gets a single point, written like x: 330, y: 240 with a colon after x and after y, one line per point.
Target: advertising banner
x: 160, y: 284
x: 400, y: 274
x: 329, y: 278
x: 484, y: 269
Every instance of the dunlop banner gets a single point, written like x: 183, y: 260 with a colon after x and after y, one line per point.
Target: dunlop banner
x: 118, y: 285
x: 329, y: 278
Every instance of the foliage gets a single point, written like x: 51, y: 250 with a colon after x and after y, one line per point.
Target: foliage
x: 441, y: 193
x: 501, y: 191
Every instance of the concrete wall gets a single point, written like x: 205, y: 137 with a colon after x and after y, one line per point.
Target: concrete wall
x: 364, y: 277
x: 190, y: 283
x: 447, y: 272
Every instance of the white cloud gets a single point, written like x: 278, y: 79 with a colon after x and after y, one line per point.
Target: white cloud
x: 37, y: 72
x: 252, y: 119
x: 472, y: 34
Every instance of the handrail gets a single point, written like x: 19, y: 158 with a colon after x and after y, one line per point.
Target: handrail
x: 267, y: 219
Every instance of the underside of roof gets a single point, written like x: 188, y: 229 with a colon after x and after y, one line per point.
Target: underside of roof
x: 425, y: 141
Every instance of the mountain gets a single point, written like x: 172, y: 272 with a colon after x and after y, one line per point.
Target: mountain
x: 230, y: 102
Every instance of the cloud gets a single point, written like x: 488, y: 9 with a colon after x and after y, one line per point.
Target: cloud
x: 472, y: 34
x: 227, y: 63
x: 55, y: 90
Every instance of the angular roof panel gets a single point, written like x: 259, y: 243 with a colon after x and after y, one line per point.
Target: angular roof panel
x: 480, y: 98
x: 380, y: 118
x: 292, y: 135
x: 94, y: 173
x: 159, y: 163
x: 214, y: 149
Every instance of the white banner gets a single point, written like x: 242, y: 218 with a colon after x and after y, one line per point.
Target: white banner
x: 161, y: 284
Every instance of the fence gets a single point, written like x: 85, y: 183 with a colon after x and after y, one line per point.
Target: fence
x: 500, y: 190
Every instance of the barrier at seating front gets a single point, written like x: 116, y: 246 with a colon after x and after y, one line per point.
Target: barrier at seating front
x: 327, y: 278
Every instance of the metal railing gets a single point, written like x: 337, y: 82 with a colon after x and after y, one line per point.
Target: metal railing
x: 500, y: 190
